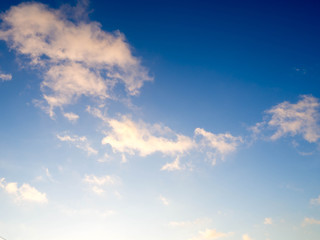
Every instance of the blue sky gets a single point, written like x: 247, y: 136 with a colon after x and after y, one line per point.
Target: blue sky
x: 159, y: 120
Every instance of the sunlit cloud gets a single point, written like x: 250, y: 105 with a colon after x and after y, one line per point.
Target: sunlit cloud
x: 77, y: 58
x: 268, y: 221
x: 127, y: 136
x: 98, y: 184
x: 209, y: 234
x: 79, y: 142
x: 310, y: 221
x: 301, y: 118
x: 164, y: 200
x: 24, y: 193
x: 246, y: 237
x: 218, y: 145
x: 174, y: 166
x: 72, y: 117
x: 5, y: 77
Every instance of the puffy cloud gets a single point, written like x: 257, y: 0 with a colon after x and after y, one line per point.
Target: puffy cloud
x: 25, y: 193
x: 301, y: 118
x: 246, y: 237
x: 267, y: 221
x: 209, y: 234
x: 127, y: 136
x: 221, y: 144
x: 315, y: 201
x: 77, y: 57
x: 79, y: 142
x: 72, y: 117
x: 98, y: 184
x: 310, y: 221
x: 5, y: 77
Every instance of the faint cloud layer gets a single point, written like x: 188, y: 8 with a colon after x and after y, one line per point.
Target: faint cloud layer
x: 315, y: 201
x: 209, y: 234
x: 25, y: 193
x: 76, y: 57
x: 79, y: 142
x: 98, y: 184
x: 5, y: 77
x: 310, y: 221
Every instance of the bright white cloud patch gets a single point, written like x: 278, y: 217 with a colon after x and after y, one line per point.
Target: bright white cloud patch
x: 79, y: 142
x: 77, y: 57
x: 267, y: 221
x: 221, y: 144
x: 301, y: 118
x: 5, y: 77
x: 72, y: 117
x: 246, y: 237
x: 209, y: 234
x: 98, y: 184
x: 164, y: 200
x: 174, y: 166
x: 131, y: 137
x: 315, y: 201
x: 24, y: 193
x: 310, y: 221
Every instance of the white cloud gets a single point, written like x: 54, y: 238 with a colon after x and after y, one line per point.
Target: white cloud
x: 79, y: 142
x: 174, y: 166
x: 209, y: 234
x: 301, y: 118
x: 5, y: 77
x: 72, y: 117
x: 267, y: 221
x: 164, y: 200
x: 131, y: 137
x: 77, y: 57
x: 310, y: 221
x: 246, y: 237
x: 25, y: 193
x: 221, y: 144
x: 315, y: 201
x: 98, y: 184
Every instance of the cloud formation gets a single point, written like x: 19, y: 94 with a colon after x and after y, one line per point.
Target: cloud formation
x: 301, y: 118
x: 221, y: 144
x: 310, y: 221
x: 77, y: 58
x: 127, y: 136
x: 5, y: 77
x: 267, y: 221
x: 315, y: 201
x: 24, y: 193
x: 98, y: 184
x: 209, y: 234
x: 246, y: 237
x: 79, y: 142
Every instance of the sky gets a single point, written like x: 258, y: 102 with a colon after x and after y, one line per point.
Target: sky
x: 176, y: 120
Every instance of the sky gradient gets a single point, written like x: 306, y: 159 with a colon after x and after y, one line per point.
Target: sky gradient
x: 139, y: 120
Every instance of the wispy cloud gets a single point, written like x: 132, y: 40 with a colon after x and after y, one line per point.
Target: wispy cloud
x: 268, y: 221
x: 5, y: 77
x: 98, y: 184
x: 76, y: 57
x: 301, y: 118
x: 24, y: 193
x: 315, y: 201
x: 219, y: 144
x: 164, y: 200
x: 209, y: 234
x: 174, y: 166
x: 310, y: 221
x: 246, y: 237
x: 79, y: 142
x: 72, y: 117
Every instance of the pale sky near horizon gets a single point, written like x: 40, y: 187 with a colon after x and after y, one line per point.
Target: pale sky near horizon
x: 153, y: 120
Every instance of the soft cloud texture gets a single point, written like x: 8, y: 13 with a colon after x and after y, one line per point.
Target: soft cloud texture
x: 98, y: 184
x: 301, y: 118
x: 24, y: 193
x: 77, y: 58
x: 310, y: 221
x: 127, y: 136
x: 164, y: 200
x: 5, y: 77
x: 211, y: 234
x: 267, y: 221
x: 79, y: 142
x: 315, y: 201
x: 221, y: 144
x: 246, y: 237
x: 174, y: 166
x: 72, y: 117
